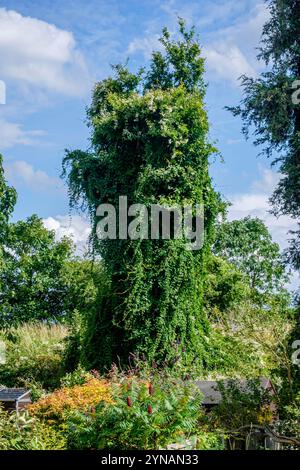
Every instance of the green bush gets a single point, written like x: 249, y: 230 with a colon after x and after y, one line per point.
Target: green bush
x: 146, y: 414
x: 242, y: 405
x: 33, y: 355
x: 78, y: 377
x: 289, y: 425
x: 27, y: 433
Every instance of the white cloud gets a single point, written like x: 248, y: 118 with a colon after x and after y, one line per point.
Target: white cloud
x: 12, y: 134
x: 145, y: 45
x: 217, y: 13
x: 38, y: 180
x: 256, y: 203
x: 37, y: 53
x: 227, y: 61
x: 231, y: 51
x: 248, y: 32
x: 268, y: 180
x: 77, y: 228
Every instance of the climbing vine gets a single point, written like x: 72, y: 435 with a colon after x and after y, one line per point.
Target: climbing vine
x: 149, y: 142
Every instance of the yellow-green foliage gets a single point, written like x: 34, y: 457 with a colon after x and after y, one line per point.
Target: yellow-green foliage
x: 77, y: 398
x: 24, y: 432
x: 250, y: 342
x: 33, y: 353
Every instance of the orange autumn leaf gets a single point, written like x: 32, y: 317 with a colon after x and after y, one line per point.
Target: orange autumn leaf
x: 79, y: 397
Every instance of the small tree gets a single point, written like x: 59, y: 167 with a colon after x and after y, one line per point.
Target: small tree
x: 248, y: 245
x: 31, y: 281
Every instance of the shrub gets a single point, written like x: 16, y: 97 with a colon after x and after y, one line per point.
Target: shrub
x: 242, y: 406
x: 210, y: 441
x: 143, y: 415
x: 248, y: 341
x: 78, y: 377
x: 290, y: 420
x: 53, y: 407
x: 24, y: 432
x: 34, y: 354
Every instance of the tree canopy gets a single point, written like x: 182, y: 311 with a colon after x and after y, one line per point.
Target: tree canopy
x: 31, y: 282
x: 247, y: 244
x: 8, y: 199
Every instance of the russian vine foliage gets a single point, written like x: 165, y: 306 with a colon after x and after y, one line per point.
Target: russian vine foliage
x: 149, y: 135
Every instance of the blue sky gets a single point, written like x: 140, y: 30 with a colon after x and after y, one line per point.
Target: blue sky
x: 51, y: 54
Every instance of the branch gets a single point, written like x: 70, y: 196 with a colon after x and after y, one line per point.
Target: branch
x: 270, y: 432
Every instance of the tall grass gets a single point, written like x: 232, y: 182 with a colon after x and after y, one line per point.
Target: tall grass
x: 34, y: 339
x: 33, y: 355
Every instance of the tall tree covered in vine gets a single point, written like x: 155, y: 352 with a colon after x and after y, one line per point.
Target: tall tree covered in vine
x: 149, y: 136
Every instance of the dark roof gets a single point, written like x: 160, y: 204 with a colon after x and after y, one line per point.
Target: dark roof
x: 12, y: 394
x: 212, y: 395
x: 209, y: 388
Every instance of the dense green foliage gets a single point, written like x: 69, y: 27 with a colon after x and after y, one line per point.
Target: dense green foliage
x: 8, y: 199
x: 218, y: 312
x: 40, y: 278
x: 242, y: 404
x: 31, y: 284
x: 83, y: 280
x: 226, y: 286
x: 24, y: 432
x: 149, y: 143
x: 143, y: 416
x: 248, y: 245
x: 33, y: 356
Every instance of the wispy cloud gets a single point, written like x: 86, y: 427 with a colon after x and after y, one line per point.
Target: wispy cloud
x: 226, y: 61
x: 229, y: 50
x: 21, y: 172
x: 145, y: 45
x: 12, y: 134
x: 39, y: 54
x: 256, y: 204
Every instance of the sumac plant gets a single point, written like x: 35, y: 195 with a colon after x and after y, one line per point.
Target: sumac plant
x: 149, y: 142
x: 142, y: 416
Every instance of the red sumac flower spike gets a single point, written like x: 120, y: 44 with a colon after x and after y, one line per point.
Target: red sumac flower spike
x: 151, y: 389
x: 129, y: 402
x: 150, y: 410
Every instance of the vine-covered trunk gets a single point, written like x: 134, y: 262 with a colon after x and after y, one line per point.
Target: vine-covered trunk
x: 150, y: 145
